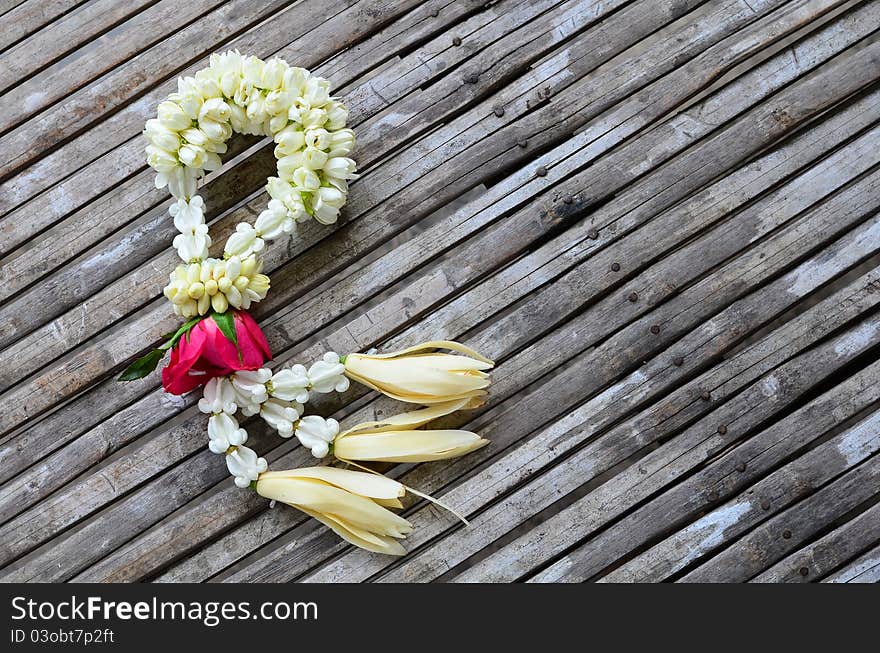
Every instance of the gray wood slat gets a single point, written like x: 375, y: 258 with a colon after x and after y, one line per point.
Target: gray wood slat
x: 20, y: 17
x: 66, y: 34
x: 755, y: 506
x: 828, y: 553
x: 865, y: 569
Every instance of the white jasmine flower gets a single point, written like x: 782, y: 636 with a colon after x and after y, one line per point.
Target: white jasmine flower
x: 181, y: 181
x: 188, y: 215
x: 245, y: 466
x: 244, y: 242
x: 281, y: 415
x: 212, y: 162
x: 161, y: 161
x: 238, y: 118
x: 215, y: 109
x: 252, y: 70
x: 290, y: 384
x: 209, y: 88
x: 340, y: 167
x: 216, y: 131
x: 194, y: 245
x: 316, y: 433
x: 313, y: 158
x: 162, y: 137
x: 256, y: 109
x: 277, y: 103
x: 306, y: 179
x: 326, y: 204
x: 328, y: 374
x: 337, y: 115
x: 290, y: 140
x: 294, y: 80
x: 318, y: 138
x: 192, y: 156
x: 226, y: 63
x: 287, y: 165
x: 224, y: 432
x: 341, y: 143
x: 273, y: 221
x: 172, y: 116
x: 250, y: 386
x: 218, y: 397
x: 312, y: 117
x: 316, y: 92
x: 273, y: 74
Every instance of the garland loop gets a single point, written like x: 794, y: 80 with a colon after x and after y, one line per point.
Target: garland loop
x: 222, y: 349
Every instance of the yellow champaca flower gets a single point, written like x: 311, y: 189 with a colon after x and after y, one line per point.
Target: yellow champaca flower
x: 352, y: 504
x: 395, y: 440
x: 421, y: 376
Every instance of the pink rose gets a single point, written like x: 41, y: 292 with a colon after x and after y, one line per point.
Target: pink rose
x: 205, y: 353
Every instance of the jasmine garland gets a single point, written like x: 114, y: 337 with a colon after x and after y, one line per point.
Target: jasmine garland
x: 222, y: 349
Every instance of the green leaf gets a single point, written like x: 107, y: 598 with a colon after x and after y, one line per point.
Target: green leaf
x: 226, y: 323
x: 146, y: 364
x: 142, y: 366
x: 185, y: 328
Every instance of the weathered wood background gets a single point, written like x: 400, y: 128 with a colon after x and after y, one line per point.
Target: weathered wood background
x: 659, y: 216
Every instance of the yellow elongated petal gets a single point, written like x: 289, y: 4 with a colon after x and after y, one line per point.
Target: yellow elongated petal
x: 375, y: 543
x: 407, y: 446
x: 319, y: 497
x: 406, y: 377
x: 449, y: 362
x: 389, y: 503
x: 414, y: 418
x: 426, y: 400
x: 361, y: 483
x: 435, y: 344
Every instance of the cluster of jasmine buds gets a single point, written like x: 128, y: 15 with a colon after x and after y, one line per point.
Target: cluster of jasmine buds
x: 197, y: 287
x: 244, y: 94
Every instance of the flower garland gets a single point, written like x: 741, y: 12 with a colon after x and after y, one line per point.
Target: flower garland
x: 222, y: 349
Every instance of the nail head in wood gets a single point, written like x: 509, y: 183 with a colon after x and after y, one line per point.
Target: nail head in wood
x: 804, y: 571
x: 705, y: 395
x: 471, y: 78
x: 615, y: 267
x: 568, y: 199
x: 435, y: 13
x: 593, y: 233
x: 740, y: 467
x: 655, y: 329
x: 765, y: 504
x: 523, y: 143
x: 722, y: 429
x: 456, y: 41
x: 678, y: 361
x: 541, y: 171
x: 633, y: 297
x: 498, y: 111
x: 786, y: 534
